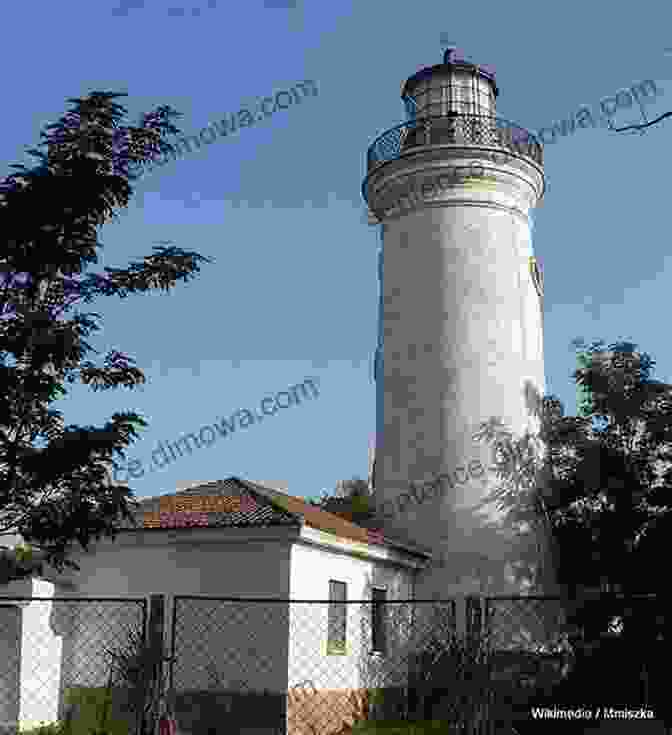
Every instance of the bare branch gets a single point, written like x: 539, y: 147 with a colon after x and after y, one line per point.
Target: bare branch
x: 641, y: 127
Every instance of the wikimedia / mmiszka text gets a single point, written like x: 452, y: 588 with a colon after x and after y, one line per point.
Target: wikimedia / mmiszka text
x: 588, y: 713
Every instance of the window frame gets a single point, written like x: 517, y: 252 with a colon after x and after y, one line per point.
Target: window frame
x: 379, y: 639
x: 337, y: 641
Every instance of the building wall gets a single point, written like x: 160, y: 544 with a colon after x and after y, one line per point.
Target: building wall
x: 33, y: 637
x: 236, y: 645
x: 215, y: 641
x: 46, y: 626
x: 312, y: 569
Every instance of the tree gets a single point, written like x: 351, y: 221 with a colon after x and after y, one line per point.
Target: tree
x: 55, y: 486
x: 351, y: 500
x: 641, y: 126
x: 599, y: 484
x: 595, y: 486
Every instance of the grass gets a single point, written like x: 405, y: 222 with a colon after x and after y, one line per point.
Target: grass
x: 91, y: 702
x: 56, y: 728
x: 399, y: 727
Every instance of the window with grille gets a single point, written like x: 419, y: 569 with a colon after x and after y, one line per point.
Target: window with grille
x: 378, y: 634
x: 336, y: 642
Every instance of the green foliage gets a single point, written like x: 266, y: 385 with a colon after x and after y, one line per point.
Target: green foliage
x: 596, y: 487
x: 93, y: 706
x: 453, y: 676
x: 90, y: 713
x: 400, y: 727
x: 55, y: 485
x: 134, y: 693
x: 89, y: 702
x: 451, y: 688
x: 351, y: 500
x: 387, y: 700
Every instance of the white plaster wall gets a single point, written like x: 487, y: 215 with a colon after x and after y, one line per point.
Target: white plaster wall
x: 391, y: 669
x: 44, y: 626
x: 460, y: 339
x: 225, y: 641
x: 312, y: 569
x: 249, y: 645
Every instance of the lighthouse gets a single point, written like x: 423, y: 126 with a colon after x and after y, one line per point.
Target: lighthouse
x: 460, y: 320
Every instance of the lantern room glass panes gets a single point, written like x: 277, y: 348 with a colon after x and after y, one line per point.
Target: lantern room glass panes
x: 461, y: 92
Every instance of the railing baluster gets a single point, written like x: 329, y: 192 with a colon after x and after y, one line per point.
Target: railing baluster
x: 454, y: 128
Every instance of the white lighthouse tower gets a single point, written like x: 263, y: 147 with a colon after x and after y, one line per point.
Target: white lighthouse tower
x: 460, y: 323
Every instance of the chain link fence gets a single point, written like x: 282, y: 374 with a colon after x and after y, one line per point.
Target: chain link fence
x: 303, y: 667
x: 54, y: 662
x: 593, y: 651
x: 293, y: 667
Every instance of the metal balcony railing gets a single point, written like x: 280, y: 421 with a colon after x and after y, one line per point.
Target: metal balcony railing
x: 452, y: 129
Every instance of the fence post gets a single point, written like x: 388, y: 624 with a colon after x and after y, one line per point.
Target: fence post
x: 155, y: 634
x: 474, y: 617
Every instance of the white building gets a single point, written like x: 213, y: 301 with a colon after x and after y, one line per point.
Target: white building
x: 226, y: 539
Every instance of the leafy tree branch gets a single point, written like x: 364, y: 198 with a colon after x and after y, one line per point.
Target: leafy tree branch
x: 55, y: 486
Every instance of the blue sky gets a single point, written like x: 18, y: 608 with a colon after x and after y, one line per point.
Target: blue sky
x: 293, y: 291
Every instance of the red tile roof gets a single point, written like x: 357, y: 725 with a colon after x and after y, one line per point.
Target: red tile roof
x: 234, y: 502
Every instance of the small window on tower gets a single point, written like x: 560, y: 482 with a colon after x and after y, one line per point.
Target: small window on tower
x: 537, y: 276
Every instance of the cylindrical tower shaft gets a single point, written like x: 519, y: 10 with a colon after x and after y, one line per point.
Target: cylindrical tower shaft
x: 461, y: 319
